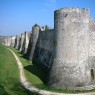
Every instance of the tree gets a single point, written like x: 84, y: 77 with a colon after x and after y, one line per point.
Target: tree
x: 46, y: 27
x: 36, y: 25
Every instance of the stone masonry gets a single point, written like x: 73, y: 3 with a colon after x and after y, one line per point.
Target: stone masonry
x: 25, y: 43
x: 17, y: 42
x: 13, y: 41
x: 71, y: 66
x: 21, y: 42
x: 34, y: 39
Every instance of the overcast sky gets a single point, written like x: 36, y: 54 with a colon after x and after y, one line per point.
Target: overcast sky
x: 17, y: 16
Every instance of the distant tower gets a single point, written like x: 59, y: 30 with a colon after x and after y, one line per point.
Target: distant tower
x: 34, y: 38
x: 71, y: 39
x: 7, y: 41
x: 21, y: 42
x: 26, y: 41
x: 17, y: 41
x: 13, y: 41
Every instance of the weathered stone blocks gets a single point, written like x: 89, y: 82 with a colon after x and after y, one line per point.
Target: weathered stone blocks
x: 7, y: 41
x: 34, y: 40
x: 21, y: 42
x: 17, y: 42
x: 43, y: 51
x: 13, y: 41
x: 25, y: 40
x: 70, y: 64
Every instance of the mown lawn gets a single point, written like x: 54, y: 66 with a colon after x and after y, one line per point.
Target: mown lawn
x: 9, y: 75
x: 36, y: 75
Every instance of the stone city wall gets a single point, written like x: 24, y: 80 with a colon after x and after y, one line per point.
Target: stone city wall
x: 43, y: 51
x: 13, y: 41
x: 25, y: 43
x: 7, y: 41
x: 21, y: 42
x: 68, y: 50
x: 17, y: 42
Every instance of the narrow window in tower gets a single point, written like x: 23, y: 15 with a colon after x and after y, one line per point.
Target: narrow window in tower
x: 92, y: 74
x: 66, y: 15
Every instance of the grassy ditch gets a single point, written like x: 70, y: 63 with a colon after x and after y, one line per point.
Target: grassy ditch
x: 35, y: 75
x: 9, y: 75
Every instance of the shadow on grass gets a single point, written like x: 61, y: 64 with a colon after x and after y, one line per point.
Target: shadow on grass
x: 25, y: 56
x: 35, y: 68
x: 38, y: 71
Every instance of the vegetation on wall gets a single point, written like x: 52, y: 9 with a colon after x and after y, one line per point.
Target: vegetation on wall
x: 55, y: 42
x: 46, y: 27
x: 36, y: 25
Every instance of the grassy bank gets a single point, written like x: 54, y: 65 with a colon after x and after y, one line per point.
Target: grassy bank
x: 9, y: 75
x: 35, y: 75
x: 33, y: 72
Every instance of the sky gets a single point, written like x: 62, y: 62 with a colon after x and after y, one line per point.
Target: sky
x: 18, y: 16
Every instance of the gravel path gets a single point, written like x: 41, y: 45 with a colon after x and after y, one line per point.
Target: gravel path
x: 30, y: 87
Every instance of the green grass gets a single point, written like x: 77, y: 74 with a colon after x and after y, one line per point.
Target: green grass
x: 9, y: 75
x: 36, y: 76
x: 33, y: 73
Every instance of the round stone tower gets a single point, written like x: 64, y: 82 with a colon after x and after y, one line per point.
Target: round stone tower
x: 12, y: 41
x: 17, y: 41
x: 26, y: 41
x: 70, y: 53
x: 21, y: 43
x: 34, y: 38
